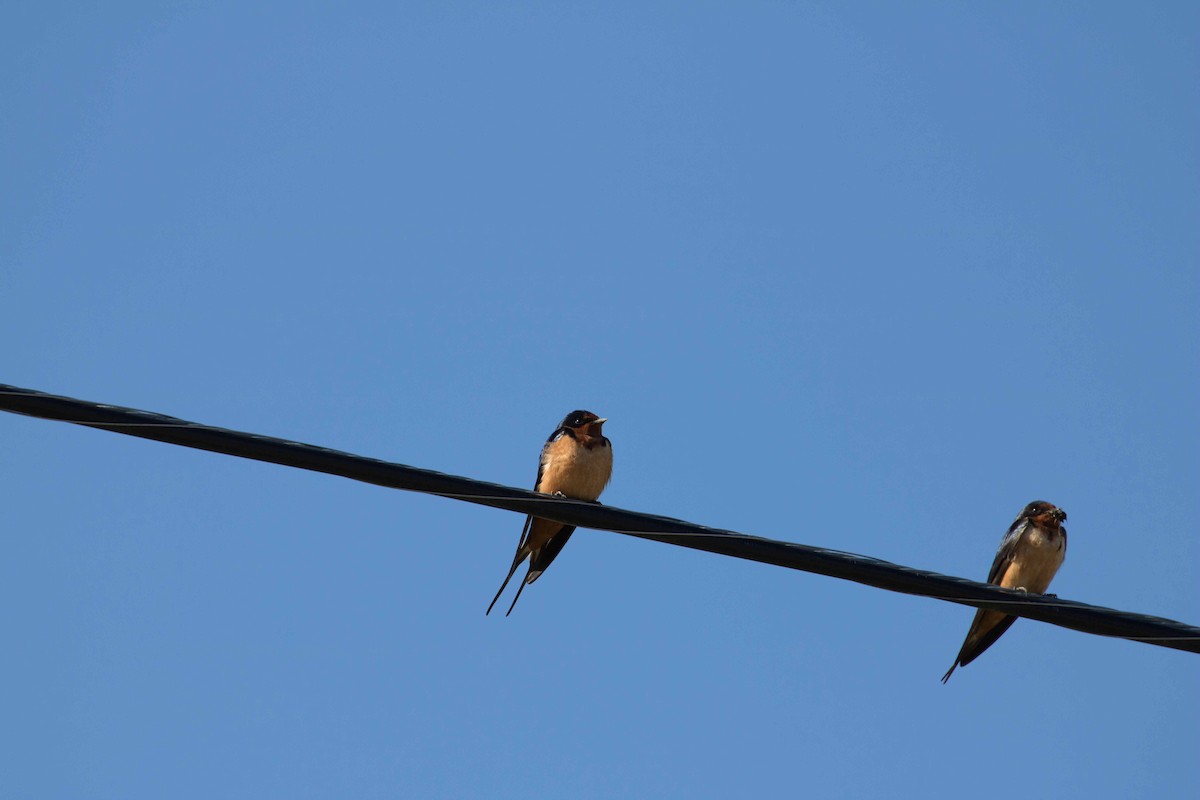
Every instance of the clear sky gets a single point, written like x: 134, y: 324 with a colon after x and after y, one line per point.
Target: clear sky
x: 868, y: 276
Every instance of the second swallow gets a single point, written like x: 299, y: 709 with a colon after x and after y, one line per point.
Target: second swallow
x: 576, y: 462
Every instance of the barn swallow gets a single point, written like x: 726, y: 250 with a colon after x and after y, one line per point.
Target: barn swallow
x: 1029, y: 555
x: 576, y: 462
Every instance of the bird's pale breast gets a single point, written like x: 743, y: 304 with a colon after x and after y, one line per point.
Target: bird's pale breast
x: 575, y: 470
x: 1036, y: 559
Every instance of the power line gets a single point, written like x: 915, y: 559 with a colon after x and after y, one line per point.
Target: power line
x: 837, y: 564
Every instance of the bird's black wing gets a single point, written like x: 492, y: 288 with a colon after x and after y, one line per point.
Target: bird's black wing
x: 969, y: 654
x: 543, y: 558
x: 537, y: 484
x: 1008, y: 547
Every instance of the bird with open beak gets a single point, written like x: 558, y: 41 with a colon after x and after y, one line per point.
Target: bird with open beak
x: 1029, y: 556
x: 576, y: 462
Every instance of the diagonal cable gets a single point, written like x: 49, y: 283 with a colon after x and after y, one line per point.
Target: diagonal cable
x: 837, y: 564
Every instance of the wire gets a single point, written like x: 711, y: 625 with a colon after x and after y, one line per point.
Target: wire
x: 834, y: 563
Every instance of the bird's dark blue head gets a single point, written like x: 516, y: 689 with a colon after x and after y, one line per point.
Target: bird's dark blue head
x: 579, y: 418
x: 1043, y: 514
x: 582, y: 419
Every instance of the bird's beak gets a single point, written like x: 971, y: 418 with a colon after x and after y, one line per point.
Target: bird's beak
x: 600, y: 421
x: 1060, y: 515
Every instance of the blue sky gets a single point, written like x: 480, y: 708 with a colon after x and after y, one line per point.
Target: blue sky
x: 863, y: 276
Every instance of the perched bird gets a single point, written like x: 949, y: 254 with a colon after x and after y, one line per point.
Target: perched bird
x: 1029, y: 555
x: 577, y: 463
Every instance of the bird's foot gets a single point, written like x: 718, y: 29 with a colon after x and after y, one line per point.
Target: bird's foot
x: 559, y: 495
